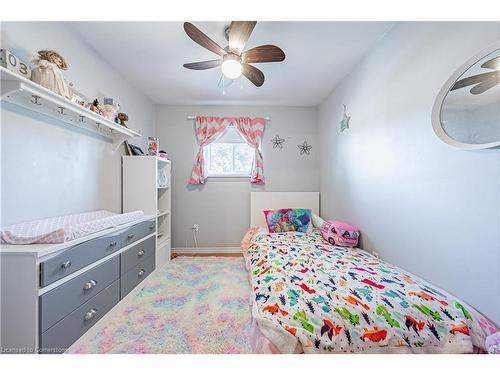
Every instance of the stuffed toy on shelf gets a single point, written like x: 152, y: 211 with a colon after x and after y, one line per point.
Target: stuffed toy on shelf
x: 121, y: 118
x: 108, y: 111
x: 49, y: 74
x: 111, y: 108
x: 96, y: 107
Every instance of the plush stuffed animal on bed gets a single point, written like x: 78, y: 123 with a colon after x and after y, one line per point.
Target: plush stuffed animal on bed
x: 340, y: 234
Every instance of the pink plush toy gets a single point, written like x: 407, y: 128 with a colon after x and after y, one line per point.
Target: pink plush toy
x: 340, y: 234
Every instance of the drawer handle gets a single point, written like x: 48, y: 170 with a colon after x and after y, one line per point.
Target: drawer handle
x: 90, y: 315
x: 141, y: 253
x: 66, y: 264
x: 130, y: 236
x: 113, y: 244
x: 141, y: 272
x: 89, y: 285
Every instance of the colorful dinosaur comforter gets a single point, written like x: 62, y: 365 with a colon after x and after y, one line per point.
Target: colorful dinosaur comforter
x: 313, y: 297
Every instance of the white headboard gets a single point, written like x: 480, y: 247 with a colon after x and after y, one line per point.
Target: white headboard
x: 260, y: 201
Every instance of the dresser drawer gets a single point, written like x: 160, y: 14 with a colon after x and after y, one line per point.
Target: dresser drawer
x: 60, y: 337
x: 134, y: 276
x: 77, y: 257
x: 62, y: 300
x: 136, y: 232
x: 137, y: 254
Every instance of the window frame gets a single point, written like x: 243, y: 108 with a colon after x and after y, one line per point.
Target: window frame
x: 232, y: 175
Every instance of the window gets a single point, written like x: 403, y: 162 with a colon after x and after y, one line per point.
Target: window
x: 229, y: 156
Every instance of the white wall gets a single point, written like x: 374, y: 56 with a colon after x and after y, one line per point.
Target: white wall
x: 423, y: 205
x: 222, y: 208
x: 49, y: 168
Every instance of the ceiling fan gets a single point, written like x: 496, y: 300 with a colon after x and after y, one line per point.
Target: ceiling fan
x: 233, y: 60
x: 483, y: 81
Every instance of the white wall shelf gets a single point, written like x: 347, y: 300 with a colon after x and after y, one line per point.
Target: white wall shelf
x: 21, y: 91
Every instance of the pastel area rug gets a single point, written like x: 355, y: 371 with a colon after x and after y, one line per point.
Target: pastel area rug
x: 192, y: 305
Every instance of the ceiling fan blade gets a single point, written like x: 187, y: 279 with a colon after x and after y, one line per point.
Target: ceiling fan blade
x: 485, y: 85
x: 239, y: 32
x: 472, y: 80
x: 494, y: 63
x: 202, y: 65
x: 262, y: 54
x: 197, y: 35
x: 253, y: 74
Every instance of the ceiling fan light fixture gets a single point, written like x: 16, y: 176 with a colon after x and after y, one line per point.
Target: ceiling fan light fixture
x: 233, y: 59
x: 231, y: 66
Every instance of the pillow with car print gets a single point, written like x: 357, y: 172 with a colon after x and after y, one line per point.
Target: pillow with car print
x: 339, y: 233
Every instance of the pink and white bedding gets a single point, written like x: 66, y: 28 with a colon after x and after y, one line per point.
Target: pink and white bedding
x: 312, y: 297
x: 65, y: 228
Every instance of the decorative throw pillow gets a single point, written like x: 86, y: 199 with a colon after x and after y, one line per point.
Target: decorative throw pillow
x: 340, y: 234
x: 317, y: 221
x: 288, y: 220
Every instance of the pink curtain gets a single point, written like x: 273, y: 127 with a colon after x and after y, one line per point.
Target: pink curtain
x: 208, y: 129
x: 252, y: 130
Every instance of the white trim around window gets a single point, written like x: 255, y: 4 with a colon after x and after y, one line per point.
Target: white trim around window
x: 227, y: 175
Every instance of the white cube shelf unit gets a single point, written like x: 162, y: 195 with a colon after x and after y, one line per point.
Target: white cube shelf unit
x: 144, y: 189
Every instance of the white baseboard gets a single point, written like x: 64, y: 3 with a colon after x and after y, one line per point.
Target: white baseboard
x: 204, y: 250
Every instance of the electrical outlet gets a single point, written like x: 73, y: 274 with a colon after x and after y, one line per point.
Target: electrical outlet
x: 195, y: 227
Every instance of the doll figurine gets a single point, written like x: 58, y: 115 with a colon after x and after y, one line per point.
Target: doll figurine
x: 49, y: 73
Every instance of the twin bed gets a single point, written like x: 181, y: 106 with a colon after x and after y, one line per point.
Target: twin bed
x: 308, y: 296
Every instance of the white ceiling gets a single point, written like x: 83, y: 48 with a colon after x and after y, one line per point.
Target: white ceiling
x: 151, y: 54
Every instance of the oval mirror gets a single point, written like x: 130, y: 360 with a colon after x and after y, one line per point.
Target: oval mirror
x: 466, y: 113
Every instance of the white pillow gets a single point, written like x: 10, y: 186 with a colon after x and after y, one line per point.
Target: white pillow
x: 317, y: 221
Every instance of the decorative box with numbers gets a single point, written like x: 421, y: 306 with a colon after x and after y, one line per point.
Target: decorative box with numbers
x: 10, y: 61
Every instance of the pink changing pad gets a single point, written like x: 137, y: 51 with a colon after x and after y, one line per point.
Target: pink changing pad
x: 65, y: 228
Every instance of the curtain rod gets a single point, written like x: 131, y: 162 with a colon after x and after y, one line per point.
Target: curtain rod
x: 194, y: 117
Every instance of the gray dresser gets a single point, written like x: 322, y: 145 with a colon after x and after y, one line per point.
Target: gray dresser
x: 75, y: 286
